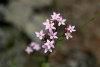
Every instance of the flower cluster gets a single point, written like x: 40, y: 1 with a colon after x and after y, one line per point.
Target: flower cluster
x: 33, y: 46
x: 52, y: 27
x: 69, y: 30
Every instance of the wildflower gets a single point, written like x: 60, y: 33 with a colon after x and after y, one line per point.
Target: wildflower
x: 71, y: 28
x: 61, y: 21
x: 48, y: 45
x: 47, y: 48
x: 40, y: 34
x: 49, y: 25
x: 68, y: 35
x: 29, y: 50
x: 53, y: 35
x: 55, y: 16
x: 46, y: 24
x: 35, y: 46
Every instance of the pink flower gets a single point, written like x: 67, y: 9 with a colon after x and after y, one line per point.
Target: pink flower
x: 29, y: 50
x: 68, y: 35
x: 49, y: 25
x: 71, y: 28
x: 40, y: 34
x: 53, y: 35
x: 47, y: 48
x: 61, y: 21
x: 55, y: 16
x: 35, y: 46
x: 48, y: 45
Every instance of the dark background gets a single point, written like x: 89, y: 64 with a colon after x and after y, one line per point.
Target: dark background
x: 19, y: 19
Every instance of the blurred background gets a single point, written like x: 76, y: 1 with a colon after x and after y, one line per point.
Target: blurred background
x: 19, y: 19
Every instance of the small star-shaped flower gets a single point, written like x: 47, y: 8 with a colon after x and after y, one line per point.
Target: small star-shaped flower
x: 55, y: 16
x: 35, y: 46
x: 48, y: 45
x: 46, y: 48
x: 46, y: 24
x: 52, y: 35
x: 68, y: 35
x: 29, y: 50
x: 40, y: 34
x: 61, y: 21
x: 71, y: 28
x: 49, y: 25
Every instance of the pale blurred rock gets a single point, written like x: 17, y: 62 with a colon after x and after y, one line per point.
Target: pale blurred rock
x: 21, y: 15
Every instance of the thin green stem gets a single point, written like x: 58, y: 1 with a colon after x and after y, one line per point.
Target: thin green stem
x: 90, y: 21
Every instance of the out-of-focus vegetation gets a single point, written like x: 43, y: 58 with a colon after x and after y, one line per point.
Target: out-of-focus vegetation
x: 19, y: 19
